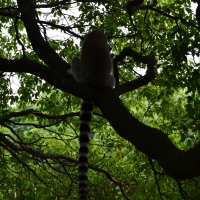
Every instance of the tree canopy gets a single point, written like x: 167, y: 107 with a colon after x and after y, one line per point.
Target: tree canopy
x: 144, y: 140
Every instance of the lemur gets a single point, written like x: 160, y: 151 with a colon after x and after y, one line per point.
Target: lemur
x: 93, y: 68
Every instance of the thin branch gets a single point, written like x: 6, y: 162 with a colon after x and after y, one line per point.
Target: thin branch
x: 141, y: 81
x: 174, y: 17
x: 4, y: 142
x: 18, y: 40
x: 24, y: 164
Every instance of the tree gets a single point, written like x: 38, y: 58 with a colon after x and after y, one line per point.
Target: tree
x: 153, y: 137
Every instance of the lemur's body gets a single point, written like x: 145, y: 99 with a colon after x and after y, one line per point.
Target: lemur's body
x: 94, y: 69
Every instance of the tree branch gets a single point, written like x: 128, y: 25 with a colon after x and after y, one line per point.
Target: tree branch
x: 63, y: 83
x: 154, y: 143
x: 40, y: 46
x: 141, y: 81
x: 4, y: 142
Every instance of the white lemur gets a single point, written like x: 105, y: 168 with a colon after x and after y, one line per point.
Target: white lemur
x: 93, y: 68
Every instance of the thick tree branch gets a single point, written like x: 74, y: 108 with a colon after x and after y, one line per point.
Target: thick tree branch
x: 40, y: 46
x: 63, y: 83
x: 152, y: 142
